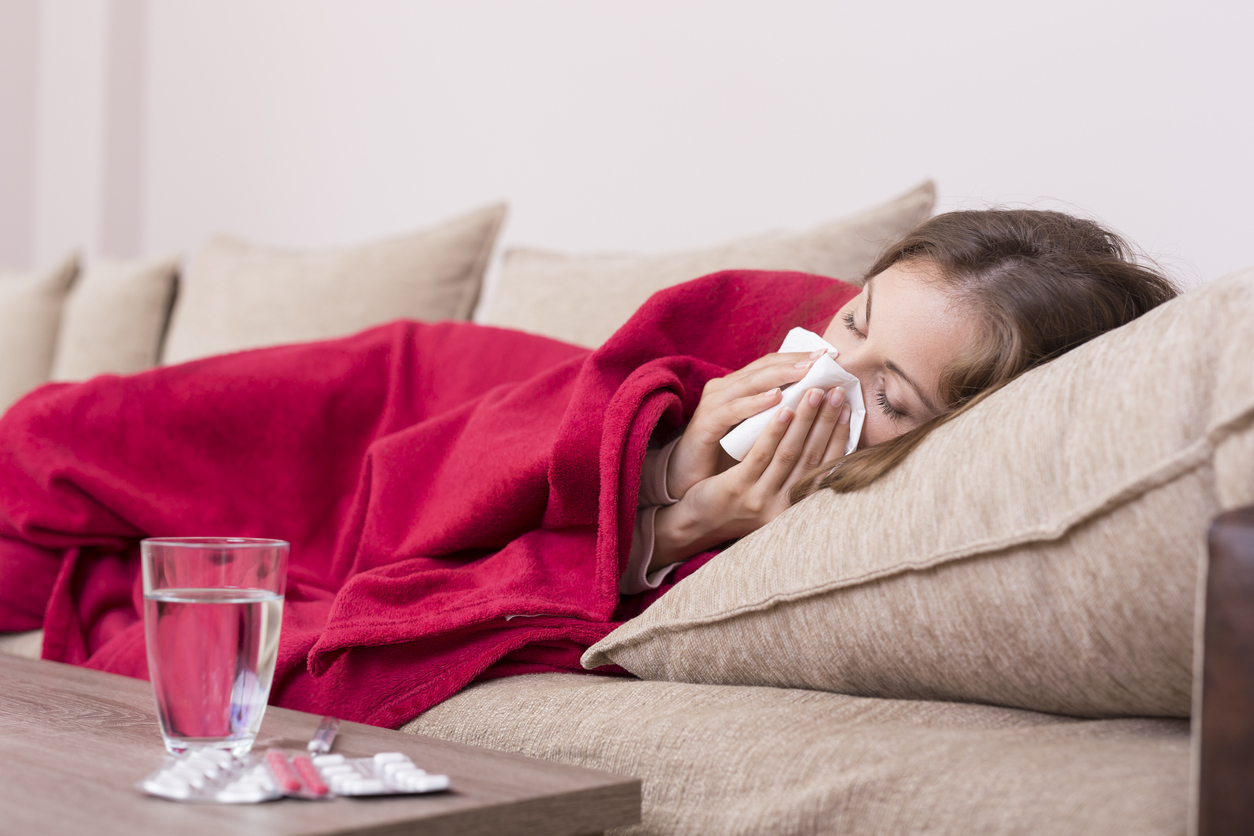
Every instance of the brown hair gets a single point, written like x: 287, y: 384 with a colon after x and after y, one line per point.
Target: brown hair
x: 1041, y: 283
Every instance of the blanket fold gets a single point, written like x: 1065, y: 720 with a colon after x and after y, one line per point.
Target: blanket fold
x: 459, y: 498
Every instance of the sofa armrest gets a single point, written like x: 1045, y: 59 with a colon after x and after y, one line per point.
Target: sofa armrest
x: 1226, y: 739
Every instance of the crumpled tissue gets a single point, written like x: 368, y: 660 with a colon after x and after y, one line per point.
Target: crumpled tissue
x: 824, y: 374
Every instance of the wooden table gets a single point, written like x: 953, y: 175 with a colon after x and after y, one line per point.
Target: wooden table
x: 74, y: 743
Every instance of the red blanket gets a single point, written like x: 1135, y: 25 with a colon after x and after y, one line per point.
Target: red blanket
x: 459, y: 498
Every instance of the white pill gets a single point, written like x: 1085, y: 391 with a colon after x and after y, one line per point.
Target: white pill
x: 427, y: 783
x: 168, y: 786
x: 396, y: 766
x: 390, y: 757
x: 328, y: 760
x: 205, y: 767
x: 365, y: 786
x: 235, y: 794
x: 194, y: 778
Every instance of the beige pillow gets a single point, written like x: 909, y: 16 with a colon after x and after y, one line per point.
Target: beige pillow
x: 583, y: 299
x: 114, y: 319
x: 1041, y: 552
x: 239, y: 296
x: 30, y: 313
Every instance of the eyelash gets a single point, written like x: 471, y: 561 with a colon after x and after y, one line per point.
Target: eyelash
x: 880, y: 396
x: 848, y: 318
x: 889, y: 410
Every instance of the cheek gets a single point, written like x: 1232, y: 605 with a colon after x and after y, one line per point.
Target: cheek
x: 876, y: 429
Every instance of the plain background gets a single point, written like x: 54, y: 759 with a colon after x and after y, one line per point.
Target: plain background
x: 132, y: 127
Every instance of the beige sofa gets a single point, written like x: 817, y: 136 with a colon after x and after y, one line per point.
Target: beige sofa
x: 998, y: 637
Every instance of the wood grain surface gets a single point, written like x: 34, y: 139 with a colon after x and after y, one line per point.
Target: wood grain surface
x: 74, y: 743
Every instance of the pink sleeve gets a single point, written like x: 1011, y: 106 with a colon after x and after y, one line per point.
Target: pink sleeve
x: 636, y: 577
x: 653, y: 477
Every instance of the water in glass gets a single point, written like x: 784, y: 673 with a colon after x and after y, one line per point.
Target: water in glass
x: 211, y: 655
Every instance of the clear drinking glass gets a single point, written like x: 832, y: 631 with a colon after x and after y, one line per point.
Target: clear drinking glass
x: 212, y: 612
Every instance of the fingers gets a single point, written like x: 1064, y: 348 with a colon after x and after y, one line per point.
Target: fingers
x: 729, y: 400
x: 840, y: 435
x: 763, y: 374
x: 795, y: 444
x: 824, y: 433
x: 806, y: 442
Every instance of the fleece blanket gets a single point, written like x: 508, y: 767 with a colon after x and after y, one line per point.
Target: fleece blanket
x: 459, y: 499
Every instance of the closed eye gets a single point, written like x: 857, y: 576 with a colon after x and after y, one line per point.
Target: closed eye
x: 891, y: 411
x: 849, y: 323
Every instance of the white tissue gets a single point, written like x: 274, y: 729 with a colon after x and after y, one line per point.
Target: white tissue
x: 824, y: 374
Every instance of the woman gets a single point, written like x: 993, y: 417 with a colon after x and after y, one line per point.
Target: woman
x: 460, y: 499
x: 963, y: 304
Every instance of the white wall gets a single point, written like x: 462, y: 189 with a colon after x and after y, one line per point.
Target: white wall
x: 646, y: 126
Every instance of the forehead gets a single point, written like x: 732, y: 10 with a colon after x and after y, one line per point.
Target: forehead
x: 923, y: 328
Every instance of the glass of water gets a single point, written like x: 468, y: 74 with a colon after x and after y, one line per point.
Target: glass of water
x: 212, y: 611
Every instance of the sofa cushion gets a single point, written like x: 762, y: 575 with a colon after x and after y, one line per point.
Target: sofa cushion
x: 27, y: 644
x: 1042, y: 551
x: 237, y: 295
x: 583, y: 299
x: 725, y: 759
x: 114, y: 318
x: 30, y: 314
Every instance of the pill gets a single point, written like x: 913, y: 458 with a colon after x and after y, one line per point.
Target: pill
x: 282, y: 771
x: 328, y: 760
x: 340, y: 783
x: 187, y: 766
x: 364, y: 786
x: 396, y: 766
x: 190, y: 776
x: 426, y: 783
x: 168, y: 785
x: 241, y: 794
x: 205, y: 766
x: 390, y: 757
x: 309, y: 774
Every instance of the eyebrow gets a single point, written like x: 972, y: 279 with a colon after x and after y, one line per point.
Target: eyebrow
x: 894, y: 368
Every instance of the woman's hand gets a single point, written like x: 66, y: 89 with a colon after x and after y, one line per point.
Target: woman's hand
x: 725, y: 402
x: 750, y: 494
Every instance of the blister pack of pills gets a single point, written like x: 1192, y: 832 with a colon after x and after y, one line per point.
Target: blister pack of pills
x: 217, y: 776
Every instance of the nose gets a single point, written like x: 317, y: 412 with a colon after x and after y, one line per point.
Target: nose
x: 856, y: 362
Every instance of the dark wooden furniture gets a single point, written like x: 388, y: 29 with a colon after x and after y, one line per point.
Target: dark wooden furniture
x: 74, y: 743
x: 1226, y: 739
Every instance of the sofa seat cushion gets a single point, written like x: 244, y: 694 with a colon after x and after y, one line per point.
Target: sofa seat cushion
x: 733, y: 759
x: 1042, y: 551
x: 27, y: 644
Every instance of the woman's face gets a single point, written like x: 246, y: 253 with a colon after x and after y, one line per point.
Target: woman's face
x: 897, y: 337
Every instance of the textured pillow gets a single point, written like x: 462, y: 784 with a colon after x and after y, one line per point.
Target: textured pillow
x: 114, y: 319
x: 239, y: 296
x: 583, y: 299
x: 1041, y: 552
x: 30, y: 313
